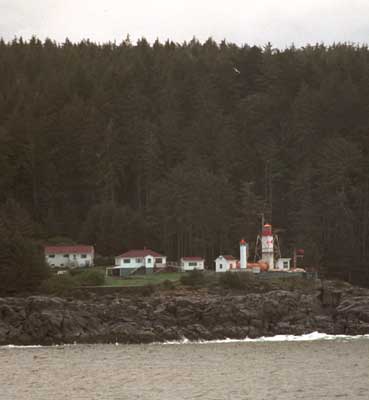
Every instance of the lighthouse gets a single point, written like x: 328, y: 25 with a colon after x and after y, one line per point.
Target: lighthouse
x: 267, y: 245
x: 243, y: 255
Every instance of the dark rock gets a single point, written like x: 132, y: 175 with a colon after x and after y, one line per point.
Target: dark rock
x: 283, y: 328
x: 355, y: 307
x: 331, y: 308
x: 4, y: 330
x: 254, y: 332
x: 38, y: 303
x: 331, y: 293
x: 324, y: 323
x: 257, y: 323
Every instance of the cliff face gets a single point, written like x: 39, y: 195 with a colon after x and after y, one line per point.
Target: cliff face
x: 195, y: 315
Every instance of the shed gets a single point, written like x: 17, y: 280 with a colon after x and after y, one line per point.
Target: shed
x: 192, y: 263
x: 283, y: 264
x: 225, y: 263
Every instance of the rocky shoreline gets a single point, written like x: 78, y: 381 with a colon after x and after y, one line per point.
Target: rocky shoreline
x: 332, y: 308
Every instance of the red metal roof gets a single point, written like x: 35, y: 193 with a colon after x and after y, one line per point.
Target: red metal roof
x: 140, y: 253
x: 193, y: 258
x: 229, y: 258
x: 69, y: 249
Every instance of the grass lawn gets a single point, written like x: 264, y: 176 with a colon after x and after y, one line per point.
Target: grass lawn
x: 142, y: 280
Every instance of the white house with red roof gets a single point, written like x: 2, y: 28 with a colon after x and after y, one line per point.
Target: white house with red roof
x: 133, y: 260
x: 225, y: 263
x: 191, y: 263
x: 70, y: 256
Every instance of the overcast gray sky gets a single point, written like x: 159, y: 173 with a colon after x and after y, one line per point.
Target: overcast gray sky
x: 280, y: 22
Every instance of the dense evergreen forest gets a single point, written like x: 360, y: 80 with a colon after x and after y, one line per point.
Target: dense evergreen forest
x: 181, y: 147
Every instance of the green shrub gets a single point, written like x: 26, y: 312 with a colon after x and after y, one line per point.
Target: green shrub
x: 231, y: 280
x: 292, y: 283
x: 168, y: 285
x: 58, y: 284
x: 235, y: 280
x: 193, y: 278
x: 89, y: 278
x: 22, y: 264
x: 76, y: 271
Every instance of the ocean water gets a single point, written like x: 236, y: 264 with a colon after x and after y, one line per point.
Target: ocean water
x: 314, y: 366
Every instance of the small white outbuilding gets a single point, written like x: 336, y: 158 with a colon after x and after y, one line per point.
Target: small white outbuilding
x: 192, y: 263
x: 283, y: 264
x: 225, y: 263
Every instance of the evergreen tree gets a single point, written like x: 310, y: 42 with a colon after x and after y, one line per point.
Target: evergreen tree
x: 22, y: 262
x: 181, y: 146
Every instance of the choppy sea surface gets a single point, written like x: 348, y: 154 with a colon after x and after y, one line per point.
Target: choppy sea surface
x: 314, y: 366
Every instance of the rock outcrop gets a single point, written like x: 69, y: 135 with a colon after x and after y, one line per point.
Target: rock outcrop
x: 332, y: 308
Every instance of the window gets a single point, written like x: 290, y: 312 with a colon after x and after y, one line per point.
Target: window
x: 159, y: 260
x: 74, y: 256
x: 139, y: 260
x: 51, y: 255
x: 83, y: 256
x: 149, y: 260
x: 220, y: 266
x: 285, y: 264
x: 66, y: 256
x: 192, y: 264
x: 127, y: 261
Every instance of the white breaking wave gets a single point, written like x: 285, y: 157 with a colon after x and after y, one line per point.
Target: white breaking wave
x: 278, y: 338
x: 314, y: 336
x: 13, y: 346
x: 34, y: 346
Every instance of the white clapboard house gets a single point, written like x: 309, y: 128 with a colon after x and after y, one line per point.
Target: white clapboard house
x: 70, y: 256
x: 142, y: 260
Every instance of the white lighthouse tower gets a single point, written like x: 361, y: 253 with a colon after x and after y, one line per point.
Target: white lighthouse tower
x: 267, y: 245
x: 243, y: 255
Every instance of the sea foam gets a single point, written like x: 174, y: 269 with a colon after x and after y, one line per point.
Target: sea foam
x: 314, y: 336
